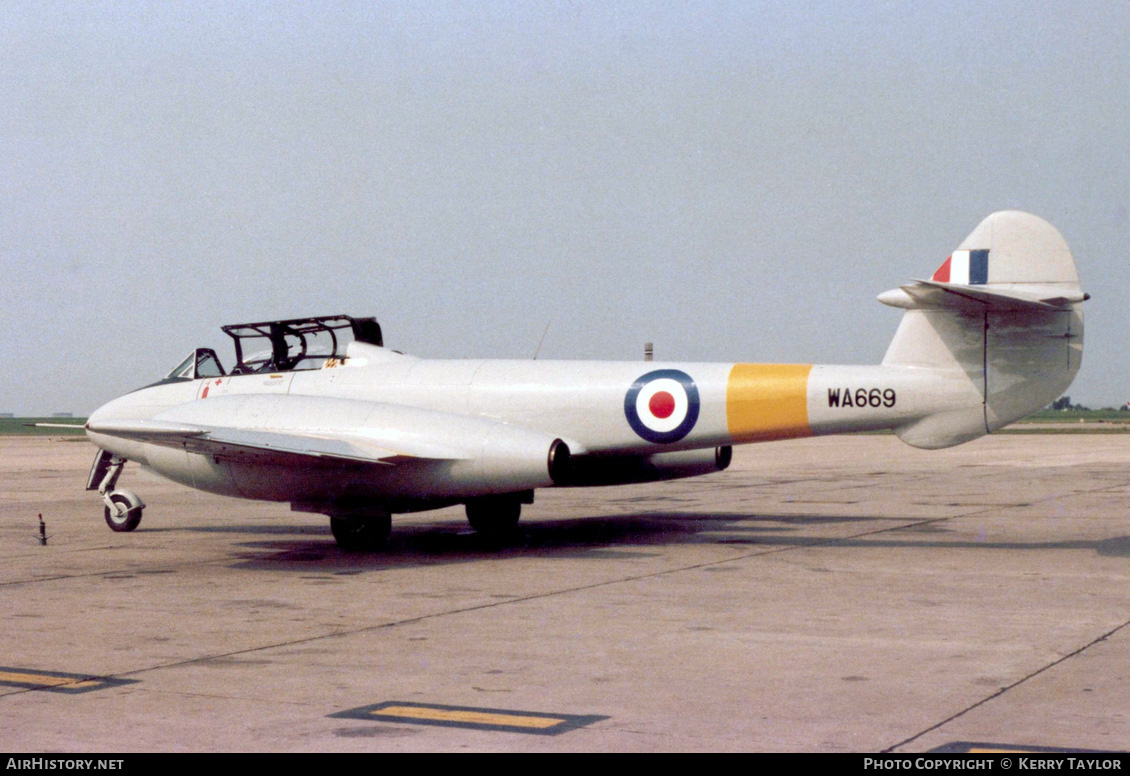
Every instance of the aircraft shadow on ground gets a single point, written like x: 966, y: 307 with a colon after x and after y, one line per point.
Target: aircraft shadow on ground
x: 610, y: 536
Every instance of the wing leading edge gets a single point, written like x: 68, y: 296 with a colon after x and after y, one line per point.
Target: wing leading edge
x: 263, y: 446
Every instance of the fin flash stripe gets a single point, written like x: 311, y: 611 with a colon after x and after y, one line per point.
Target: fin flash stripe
x: 966, y: 268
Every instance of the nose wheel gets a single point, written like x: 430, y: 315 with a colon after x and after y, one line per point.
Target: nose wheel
x: 123, y: 507
x: 123, y: 510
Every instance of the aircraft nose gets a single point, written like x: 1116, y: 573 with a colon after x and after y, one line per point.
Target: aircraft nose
x: 103, y: 412
x: 95, y: 417
x: 124, y: 407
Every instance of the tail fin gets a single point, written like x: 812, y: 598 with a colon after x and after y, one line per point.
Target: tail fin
x: 1003, y: 312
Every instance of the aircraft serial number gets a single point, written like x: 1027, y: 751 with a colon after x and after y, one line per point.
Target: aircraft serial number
x: 861, y: 397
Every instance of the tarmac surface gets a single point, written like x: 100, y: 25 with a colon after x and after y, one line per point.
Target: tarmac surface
x: 839, y: 594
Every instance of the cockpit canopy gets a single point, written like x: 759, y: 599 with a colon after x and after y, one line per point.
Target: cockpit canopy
x: 282, y: 346
x: 299, y: 343
x: 202, y: 362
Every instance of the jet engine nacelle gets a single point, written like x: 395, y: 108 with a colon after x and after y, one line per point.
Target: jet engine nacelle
x: 624, y: 470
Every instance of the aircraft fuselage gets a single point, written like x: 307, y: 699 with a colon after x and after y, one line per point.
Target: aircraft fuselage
x: 601, y: 410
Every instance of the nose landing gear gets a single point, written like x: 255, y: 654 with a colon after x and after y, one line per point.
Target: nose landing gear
x: 123, y: 507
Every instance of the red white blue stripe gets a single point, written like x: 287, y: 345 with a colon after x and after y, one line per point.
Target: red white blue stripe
x: 965, y: 268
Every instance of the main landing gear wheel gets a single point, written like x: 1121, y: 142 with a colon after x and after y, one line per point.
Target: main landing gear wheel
x: 361, y: 534
x: 494, y: 516
x: 123, y: 513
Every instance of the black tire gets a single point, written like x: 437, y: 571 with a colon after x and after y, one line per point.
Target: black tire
x: 359, y: 535
x: 494, y: 516
x: 125, y: 517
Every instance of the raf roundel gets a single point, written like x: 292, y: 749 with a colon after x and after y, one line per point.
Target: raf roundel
x: 662, y: 406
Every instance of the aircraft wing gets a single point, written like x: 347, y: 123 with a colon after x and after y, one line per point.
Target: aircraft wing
x: 408, y: 452
x: 304, y: 432
x: 268, y: 446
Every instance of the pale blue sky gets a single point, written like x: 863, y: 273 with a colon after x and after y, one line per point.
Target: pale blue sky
x: 733, y: 181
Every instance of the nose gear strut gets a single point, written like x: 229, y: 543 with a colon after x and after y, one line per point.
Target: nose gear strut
x: 123, y: 507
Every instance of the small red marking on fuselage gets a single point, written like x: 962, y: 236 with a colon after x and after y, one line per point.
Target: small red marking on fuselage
x: 204, y: 393
x: 942, y: 275
x: 661, y: 404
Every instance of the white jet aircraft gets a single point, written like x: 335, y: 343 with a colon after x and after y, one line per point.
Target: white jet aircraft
x: 359, y: 432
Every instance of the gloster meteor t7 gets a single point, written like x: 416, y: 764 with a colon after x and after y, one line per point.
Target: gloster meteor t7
x: 318, y: 413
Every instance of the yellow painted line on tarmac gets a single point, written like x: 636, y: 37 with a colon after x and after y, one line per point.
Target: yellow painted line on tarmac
x: 998, y: 750
x: 507, y: 720
x: 43, y: 680
x: 981, y: 747
x: 55, y: 681
x: 470, y: 717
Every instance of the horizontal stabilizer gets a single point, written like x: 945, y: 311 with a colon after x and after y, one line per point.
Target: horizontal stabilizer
x: 922, y: 294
